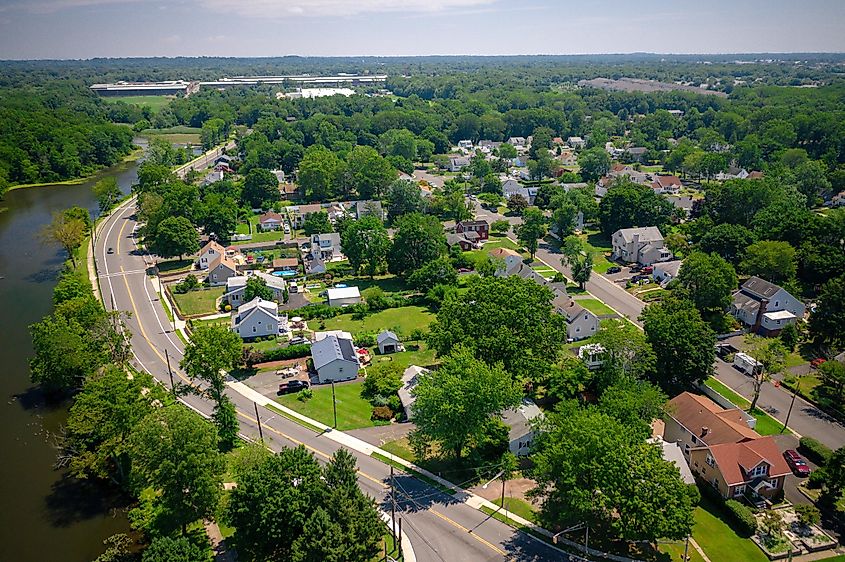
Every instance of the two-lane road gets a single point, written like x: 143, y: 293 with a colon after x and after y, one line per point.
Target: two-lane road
x: 439, y: 527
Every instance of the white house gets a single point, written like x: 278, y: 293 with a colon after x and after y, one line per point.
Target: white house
x: 326, y: 246
x: 592, y: 355
x: 465, y: 144
x: 209, y: 253
x: 270, y: 221
x: 580, y: 322
x: 639, y: 245
x: 511, y: 259
x: 458, y: 163
x: 410, y: 378
x: 258, y: 318
x: 521, y: 434
x: 765, y: 307
x: 334, y: 357
x: 388, y: 342
x: 665, y: 271
x: 343, y: 296
x: 576, y: 142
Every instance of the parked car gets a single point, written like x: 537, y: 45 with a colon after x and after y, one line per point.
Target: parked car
x: 648, y: 270
x: 292, y: 386
x: 110, y: 251
x: 614, y: 269
x: 796, y: 463
x: 635, y: 267
x: 817, y: 361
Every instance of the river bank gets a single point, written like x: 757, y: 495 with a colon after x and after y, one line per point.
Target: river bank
x: 48, y: 515
x: 129, y: 160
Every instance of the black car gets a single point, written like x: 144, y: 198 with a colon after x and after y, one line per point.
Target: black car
x: 110, y: 251
x: 614, y: 269
x: 292, y: 386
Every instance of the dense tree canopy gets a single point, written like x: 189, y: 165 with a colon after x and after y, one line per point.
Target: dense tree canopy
x: 627, y: 205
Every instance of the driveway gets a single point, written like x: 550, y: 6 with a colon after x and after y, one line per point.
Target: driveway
x: 790, y: 485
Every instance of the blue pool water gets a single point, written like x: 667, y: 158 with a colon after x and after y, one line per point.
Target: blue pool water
x: 285, y: 273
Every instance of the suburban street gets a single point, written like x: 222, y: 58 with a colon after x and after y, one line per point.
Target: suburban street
x: 440, y: 527
x: 805, y: 419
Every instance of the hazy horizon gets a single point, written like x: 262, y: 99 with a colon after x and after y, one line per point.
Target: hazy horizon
x: 84, y: 29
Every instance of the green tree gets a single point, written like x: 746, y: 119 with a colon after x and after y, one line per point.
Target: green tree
x: 533, y: 228
x: 404, y: 197
x: 628, y: 204
x: 517, y: 203
x: 594, y: 163
x: 832, y: 376
x: 365, y: 243
x: 508, y: 320
x: 590, y: 468
x: 317, y: 223
x: 563, y: 219
x: 727, y: 240
x: 211, y: 351
x: 492, y: 184
x: 709, y: 281
x: 399, y: 142
x: 582, y: 269
x: 827, y: 323
x: 102, y: 417
x: 69, y: 233
x: 118, y: 549
x: 64, y: 353
x: 770, y: 356
x: 167, y: 549
x: 773, y: 261
x: 417, y: 240
x: 175, y: 452
x: 454, y: 404
x: 261, y: 188
x: 683, y: 343
x: 257, y: 287
x: 319, y: 173
x: 174, y: 236
x: 107, y: 193
x: 369, y: 173
x: 435, y: 272
x: 500, y: 226
x: 635, y: 404
x: 627, y: 353
x: 218, y: 215
x: 835, y: 483
x: 811, y: 180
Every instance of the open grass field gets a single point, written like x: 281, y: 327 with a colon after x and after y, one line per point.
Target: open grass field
x: 401, y: 320
x: 176, y: 135
x: 353, y: 412
x: 421, y: 356
x: 155, y: 103
x: 174, y: 265
x: 518, y: 507
x: 200, y: 301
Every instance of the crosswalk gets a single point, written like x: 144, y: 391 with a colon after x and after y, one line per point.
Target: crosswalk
x: 121, y: 273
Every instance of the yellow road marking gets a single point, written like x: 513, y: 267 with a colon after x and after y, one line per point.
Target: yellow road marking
x: 486, y: 543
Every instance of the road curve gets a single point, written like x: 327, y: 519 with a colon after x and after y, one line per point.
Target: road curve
x: 439, y: 527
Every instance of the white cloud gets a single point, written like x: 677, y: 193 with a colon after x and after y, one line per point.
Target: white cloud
x: 322, y: 8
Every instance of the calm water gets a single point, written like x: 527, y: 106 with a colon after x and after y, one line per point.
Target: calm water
x: 43, y: 516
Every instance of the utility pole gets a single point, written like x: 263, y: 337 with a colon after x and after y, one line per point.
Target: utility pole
x: 398, y: 544
x: 791, y: 404
x: 258, y: 419
x: 392, y: 507
x: 334, y: 406
x: 503, y: 498
x: 170, y: 372
x: 686, y: 550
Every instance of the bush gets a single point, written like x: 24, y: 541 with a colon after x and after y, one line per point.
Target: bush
x: 416, y: 334
x: 365, y: 340
x: 379, y: 400
x: 305, y: 394
x: 290, y: 352
x: 742, y: 516
x: 382, y: 413
x: 817, y: 479
x: 383, y: 379
x: 814, y: 450
x: 317, y: 311
x: 188, y: 284
x: 395, y: 404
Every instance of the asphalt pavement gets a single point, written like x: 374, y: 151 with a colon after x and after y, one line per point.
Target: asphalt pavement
x: 440, y: 527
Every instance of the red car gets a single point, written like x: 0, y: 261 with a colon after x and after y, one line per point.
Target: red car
x: 648, y: 270
x: 796, y: 463
x: 817, y: 361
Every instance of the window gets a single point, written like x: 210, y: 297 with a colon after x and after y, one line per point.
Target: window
x: 686, y: 449
x: 777, y: 303
x: 710, y: 460
x: 694, y: 440
x: 739, y: 490
x: 253, y: 329
x: 774, y: 483
x: 760, y: 470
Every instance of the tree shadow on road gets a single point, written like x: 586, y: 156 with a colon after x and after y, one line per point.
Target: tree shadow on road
x: 413, y: 495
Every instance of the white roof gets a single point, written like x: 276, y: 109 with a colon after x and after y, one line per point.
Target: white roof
x: 779, y: 315
x: 273, y: 281
x: 672, y: 453
x: 337, y: 333
x: 385, y: 335
x: 343, y: 293
x: 258, y: 302
x: 519, y: 420
x: 235, y: 282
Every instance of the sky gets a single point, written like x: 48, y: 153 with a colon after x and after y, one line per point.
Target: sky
x: 69, y: 29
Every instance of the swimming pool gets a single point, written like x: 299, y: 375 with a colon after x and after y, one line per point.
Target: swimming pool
x: 284, y: 273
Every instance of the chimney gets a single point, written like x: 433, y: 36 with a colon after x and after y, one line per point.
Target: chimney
x: 704, y: 431
x: 764, y: 304
x: 636, y: 238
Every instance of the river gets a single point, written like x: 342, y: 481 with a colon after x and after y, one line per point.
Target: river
x: 44, y: 516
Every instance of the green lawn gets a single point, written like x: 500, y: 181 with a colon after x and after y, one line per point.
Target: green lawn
x: 675, y: 552
x: 766, y: 424
x: 518, y: 507
x: 401, y: 320
x: 257, y: 235
x: 176, y: 135
x: 422, y: 356
x: 353, y: 412
x: 170, y: 266
x: 387, y: 283
x: 199, y: 301
x: 718, y: 540
x: 211, y: 322
x: 595, y: 242
x: 155, y: 103
x: 595, y: 306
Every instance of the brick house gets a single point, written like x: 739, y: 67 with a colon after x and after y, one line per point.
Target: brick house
x: 482, y: 228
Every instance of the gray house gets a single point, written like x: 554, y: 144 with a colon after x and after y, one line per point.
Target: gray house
x: 258, y: 318
x: 580, y: 322
x: 765, y: 307
x: 334, y: 357
x: 410, y: 378
x: 639, y: 245
x: 326, y: 246
x: 520, y: 431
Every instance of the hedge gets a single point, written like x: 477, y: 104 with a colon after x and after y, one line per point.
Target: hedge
x: 814, y: 450
x: 290, y: 352
x: 742, y: 516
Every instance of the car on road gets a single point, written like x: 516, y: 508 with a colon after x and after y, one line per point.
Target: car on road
x: 292, y: 386
x: 797, y: 463
x: 110, y: 251
x: 614, y: 269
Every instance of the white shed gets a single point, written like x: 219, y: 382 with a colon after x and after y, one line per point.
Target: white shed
x: 388, y: 342
x: 343, y: 296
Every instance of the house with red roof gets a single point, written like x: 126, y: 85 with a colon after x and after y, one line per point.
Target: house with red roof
x: 664, y: 183
x: 724, y: 451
